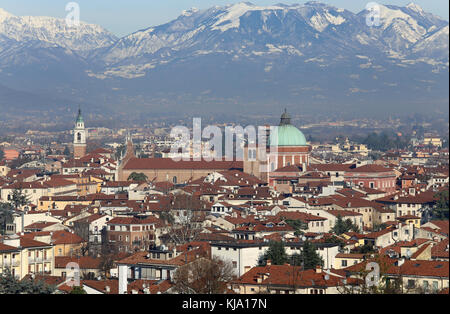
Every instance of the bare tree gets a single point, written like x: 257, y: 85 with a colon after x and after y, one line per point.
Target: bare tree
x: 203, y: 276
x: 185, y: 219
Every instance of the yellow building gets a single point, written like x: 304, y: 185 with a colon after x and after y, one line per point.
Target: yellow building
x: 60, y: 202
x: 25, y: 256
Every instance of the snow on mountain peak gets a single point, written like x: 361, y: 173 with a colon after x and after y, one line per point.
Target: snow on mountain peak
x: 190, y: 12
x: 320, y: 21
x: 4, y: 15
x: 415, y: 7
x: 231, y: 17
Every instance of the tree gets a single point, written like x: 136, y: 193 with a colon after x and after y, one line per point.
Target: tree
x: 2, y: 154
x: 342, y: 226
x: 138, y: 177
x: 184, y: 212
x: 9, y: 284
x: 19, y: 199
x: 108, y: 252
x: 6, y: 216
x: 203, y: 276
x: 364, y: 249
x: 308, y: 258
x: 78, y: 290
x: 66, y: 151
x: 276, y: 253
x: 441, y: 210
x: 298, y: 225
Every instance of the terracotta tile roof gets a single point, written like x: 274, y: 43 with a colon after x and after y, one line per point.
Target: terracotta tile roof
x: 370, y: 169
x: 424, y: 268
x: 134, y: 221
x: 330, y: 167
x: 183, y: 258
x: 168, y: 163
x: 289, y: 276
x: 442, y: 225
x: 7, y: 248
x: 299, y: 216
x: 29, y: 243
x: 343, y: 213
x: 57, y: 237
x: 85, y: 262
x: 440, y: 250
x: 40, y: 225
x: 422, y: 198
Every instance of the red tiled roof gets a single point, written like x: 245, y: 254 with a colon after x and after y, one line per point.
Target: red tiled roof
x: 299, y: 216
x: 85, y: 262
x: 168, y: 163
x: 134, y: 221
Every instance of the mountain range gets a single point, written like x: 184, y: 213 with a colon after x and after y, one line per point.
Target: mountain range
x: 242, y: 58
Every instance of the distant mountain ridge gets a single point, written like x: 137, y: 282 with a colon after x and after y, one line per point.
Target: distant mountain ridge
x: 307, y: 56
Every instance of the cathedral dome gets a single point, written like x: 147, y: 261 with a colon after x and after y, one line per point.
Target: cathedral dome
x: 288, y: 135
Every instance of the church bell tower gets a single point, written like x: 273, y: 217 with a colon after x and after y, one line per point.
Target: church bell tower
x: 79, y: 137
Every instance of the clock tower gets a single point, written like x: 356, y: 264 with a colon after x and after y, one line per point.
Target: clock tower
x: 79, y: 137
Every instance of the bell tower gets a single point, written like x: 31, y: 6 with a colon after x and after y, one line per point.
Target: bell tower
x: 79, y: 137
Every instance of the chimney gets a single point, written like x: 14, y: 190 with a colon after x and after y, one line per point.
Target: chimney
x: 107, y: 289
x: 269, y: 262
x: 318, y: 269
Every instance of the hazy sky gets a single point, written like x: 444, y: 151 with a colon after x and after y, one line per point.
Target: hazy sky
x: 126, y: 16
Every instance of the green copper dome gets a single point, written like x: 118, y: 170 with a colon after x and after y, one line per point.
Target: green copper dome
x: 288, y: 135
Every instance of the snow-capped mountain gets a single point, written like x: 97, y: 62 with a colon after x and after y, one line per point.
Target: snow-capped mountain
x: 310, y: 54
x: 54, y: 31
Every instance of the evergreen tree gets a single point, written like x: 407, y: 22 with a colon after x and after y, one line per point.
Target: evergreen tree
x: 276, y: 254
x: 66, y: 151
x: 308, y: 258
x: 78, y: 290
x: 342, y: 226
x: 9, y: 284
x: 441, y: 210
x: 6, y: 216
x: 138, y: 177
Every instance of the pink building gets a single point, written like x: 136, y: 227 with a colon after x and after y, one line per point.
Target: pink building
x: 372, y: 176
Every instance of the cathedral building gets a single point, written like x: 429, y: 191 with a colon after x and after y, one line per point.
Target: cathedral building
x: 79, y: 138
x: 286, y: 146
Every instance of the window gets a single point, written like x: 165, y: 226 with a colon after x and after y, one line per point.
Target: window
x: 344, y: 263
x: 435, y: 285
x: 411, y: 283
x: 234, y: 264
